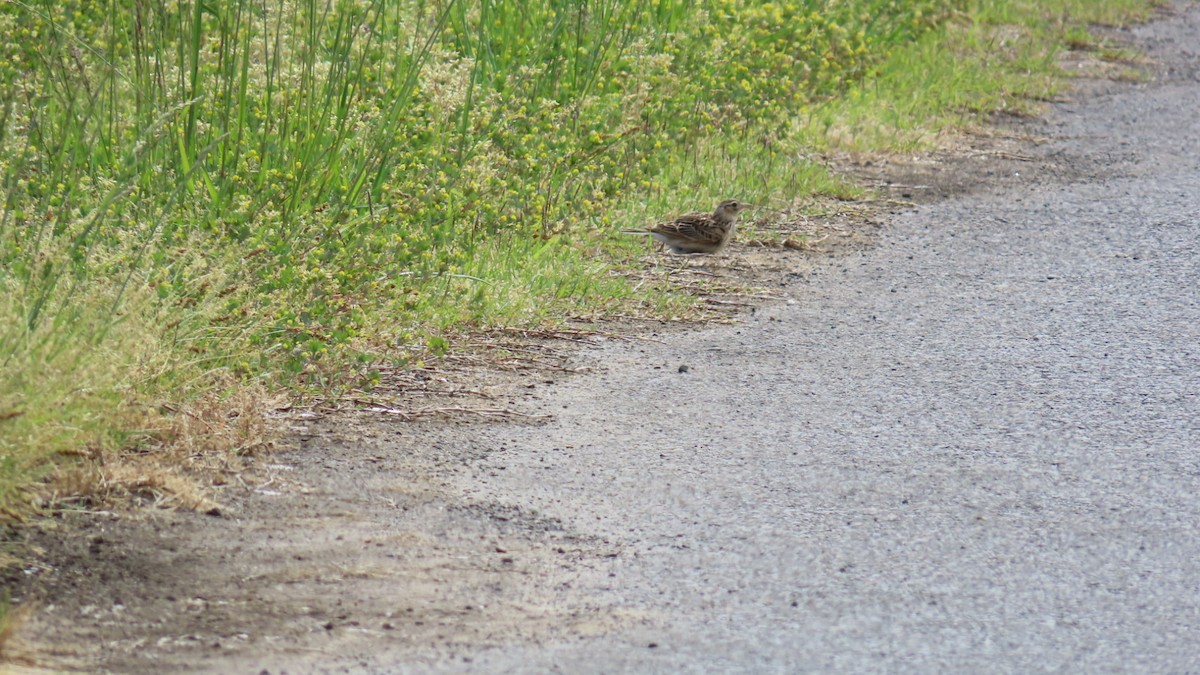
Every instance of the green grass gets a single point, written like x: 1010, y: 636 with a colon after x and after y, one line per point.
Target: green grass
x: 285, y: 192
x: 991, y: 56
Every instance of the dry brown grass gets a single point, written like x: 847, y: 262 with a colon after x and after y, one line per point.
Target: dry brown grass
x: 13, y: 654
x: 181, y: 453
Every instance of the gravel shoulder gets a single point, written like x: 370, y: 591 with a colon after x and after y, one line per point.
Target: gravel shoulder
x: 965, y: 439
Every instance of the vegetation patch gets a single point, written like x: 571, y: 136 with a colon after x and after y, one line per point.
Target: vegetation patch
x: 207, y: 202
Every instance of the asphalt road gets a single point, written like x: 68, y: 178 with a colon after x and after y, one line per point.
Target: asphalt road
x: 972, y: 448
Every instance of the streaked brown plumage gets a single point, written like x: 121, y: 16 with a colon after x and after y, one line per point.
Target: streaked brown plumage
x: 699, y: 232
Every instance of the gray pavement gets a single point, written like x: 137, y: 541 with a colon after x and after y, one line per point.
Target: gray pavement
x: 973, y: 448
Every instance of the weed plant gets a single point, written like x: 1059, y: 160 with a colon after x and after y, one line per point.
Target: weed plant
x: 198, y: 193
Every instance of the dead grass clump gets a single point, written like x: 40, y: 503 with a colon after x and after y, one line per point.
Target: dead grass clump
x: 12, y: 652
x: 177, y: 459
x: 232, y: 424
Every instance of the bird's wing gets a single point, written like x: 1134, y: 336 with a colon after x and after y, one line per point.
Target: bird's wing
x: 697, y: 227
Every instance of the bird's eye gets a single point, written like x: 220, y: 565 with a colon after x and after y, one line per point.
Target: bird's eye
x: 733, y: 204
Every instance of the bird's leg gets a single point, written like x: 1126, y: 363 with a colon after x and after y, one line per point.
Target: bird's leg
x: 684, y: 263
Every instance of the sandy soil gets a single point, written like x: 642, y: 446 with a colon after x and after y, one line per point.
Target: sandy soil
x: 386, y: 544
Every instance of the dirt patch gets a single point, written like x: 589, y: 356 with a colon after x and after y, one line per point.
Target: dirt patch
x: 355, y: 547
x: 349, y: 540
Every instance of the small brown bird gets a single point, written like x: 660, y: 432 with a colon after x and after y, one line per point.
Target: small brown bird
x: 699, y: 232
